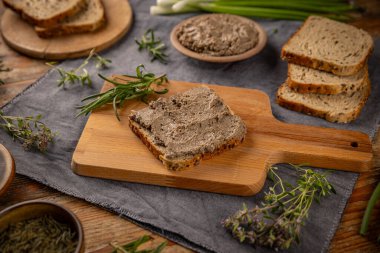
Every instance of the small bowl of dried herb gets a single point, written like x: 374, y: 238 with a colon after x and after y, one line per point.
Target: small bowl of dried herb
x: 7, y: 169
x: 40, y: 226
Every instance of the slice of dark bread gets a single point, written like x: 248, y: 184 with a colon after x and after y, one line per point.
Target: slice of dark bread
x: 45, y: 13
x: 329, y: 45
x: 307, y: 80
x: 187, y: 127
x: 91, y: 18
x: 341, y: 108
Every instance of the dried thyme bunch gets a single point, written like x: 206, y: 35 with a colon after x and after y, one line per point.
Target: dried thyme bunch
x: 80, y: 74
x: 43, y: 234
x: 30, y: 131
x: 132, y: 246
x: 154, y: 45
x: 278, y: 221
x: 139, y: 87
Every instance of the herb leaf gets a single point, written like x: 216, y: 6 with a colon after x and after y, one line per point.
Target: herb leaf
x: 132, y: 247
x: 79, y: 74
x: 140, y: 87
x: 154, y: 45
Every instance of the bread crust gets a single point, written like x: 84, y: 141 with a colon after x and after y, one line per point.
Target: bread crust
x: 71, y: 29
x: 306, y: 61
x: 339, y: 118
x: 49, y: 22
x: 177, y: 165
x: 68, y: 29
x: 331, y: 89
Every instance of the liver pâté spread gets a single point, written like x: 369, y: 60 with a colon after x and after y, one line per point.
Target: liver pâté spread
x: 191, y: 123
x: 218, y: 35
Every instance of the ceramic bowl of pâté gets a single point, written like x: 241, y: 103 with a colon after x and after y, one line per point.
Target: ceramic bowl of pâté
x: 7, y: 169
x: 219, y: 38
x: 40, y: 226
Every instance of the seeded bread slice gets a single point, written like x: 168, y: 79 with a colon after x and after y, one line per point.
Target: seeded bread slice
x: 45, y: 13
x: 91, y: 18
x: 307, y: 80
x: 184, y: 129
x: 341, y: 108
x: 329, y: 45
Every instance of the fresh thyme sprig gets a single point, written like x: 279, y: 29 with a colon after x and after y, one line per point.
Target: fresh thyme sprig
x: 139, y: 87
x: 30, y: 131
x: 154, y: 45
x: 277, y: 222
x: 80, y: 74
x: 132, y: 246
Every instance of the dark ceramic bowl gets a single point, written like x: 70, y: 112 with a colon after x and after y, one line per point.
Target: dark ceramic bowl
x: 35, y: 208
x: 7, y: 169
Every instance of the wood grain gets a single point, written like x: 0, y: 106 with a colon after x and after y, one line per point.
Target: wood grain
x: 346, y: 239
x: 101, y: 151
x: 7, y: 169
x: 21, y: 36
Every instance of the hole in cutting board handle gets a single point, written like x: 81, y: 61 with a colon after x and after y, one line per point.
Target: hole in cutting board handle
x: 354, y: 144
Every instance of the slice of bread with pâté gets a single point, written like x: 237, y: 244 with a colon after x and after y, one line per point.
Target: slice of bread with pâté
x: 187, y: 127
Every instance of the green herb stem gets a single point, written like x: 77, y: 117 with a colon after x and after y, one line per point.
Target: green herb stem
x: 30, y: 131
x: 277, y: 222
x: 371, y: 204
x: 139, y: 87
x: 132, y: 247
x: 154, y: 45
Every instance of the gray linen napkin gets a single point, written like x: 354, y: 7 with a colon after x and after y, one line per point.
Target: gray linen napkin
x: 190, y: 218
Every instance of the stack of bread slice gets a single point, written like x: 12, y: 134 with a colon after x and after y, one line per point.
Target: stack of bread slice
x: 327, y: 70
x: 60, y: 17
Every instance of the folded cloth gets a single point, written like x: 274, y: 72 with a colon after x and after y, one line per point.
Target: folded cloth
x: 190, y: 218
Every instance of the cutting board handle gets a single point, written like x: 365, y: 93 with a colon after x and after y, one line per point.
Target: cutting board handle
x: 321, y: 147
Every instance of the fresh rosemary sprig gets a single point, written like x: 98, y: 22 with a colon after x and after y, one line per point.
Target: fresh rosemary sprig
x: 80, y: 74
x: 277, y: 222
x: 139, y: 87
x: 154, y: 45
x: 30, y: 131
x: 132, y: 246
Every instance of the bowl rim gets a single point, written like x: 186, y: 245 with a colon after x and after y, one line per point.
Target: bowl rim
x: 219, y: 59
x: 77, y: 223
x: 9, y: 172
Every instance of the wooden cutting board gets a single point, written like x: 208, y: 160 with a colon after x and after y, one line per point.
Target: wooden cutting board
x: 109, y: 149
x: 20, y: 36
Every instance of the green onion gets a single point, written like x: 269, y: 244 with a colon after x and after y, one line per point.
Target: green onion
x: 371, y: 204
x: 275, y: 9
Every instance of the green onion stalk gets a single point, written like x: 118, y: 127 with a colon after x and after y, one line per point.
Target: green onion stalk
x: 275, y: 9
x: 371, y: 204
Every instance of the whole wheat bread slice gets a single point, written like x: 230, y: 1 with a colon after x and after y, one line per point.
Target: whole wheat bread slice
x: 340, y: 108
x: 184, y: 129
x: 91, y: 18
x: 307, y: 80
x: 329, y: 45
x: 45, y: 13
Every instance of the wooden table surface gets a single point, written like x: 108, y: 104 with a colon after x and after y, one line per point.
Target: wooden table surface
x: 102, y: 227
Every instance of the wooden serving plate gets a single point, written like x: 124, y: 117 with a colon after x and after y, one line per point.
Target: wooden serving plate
x: 21, y: 36
x: 109, y: 149
x: 7, y: 169
x: 262, y: 40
